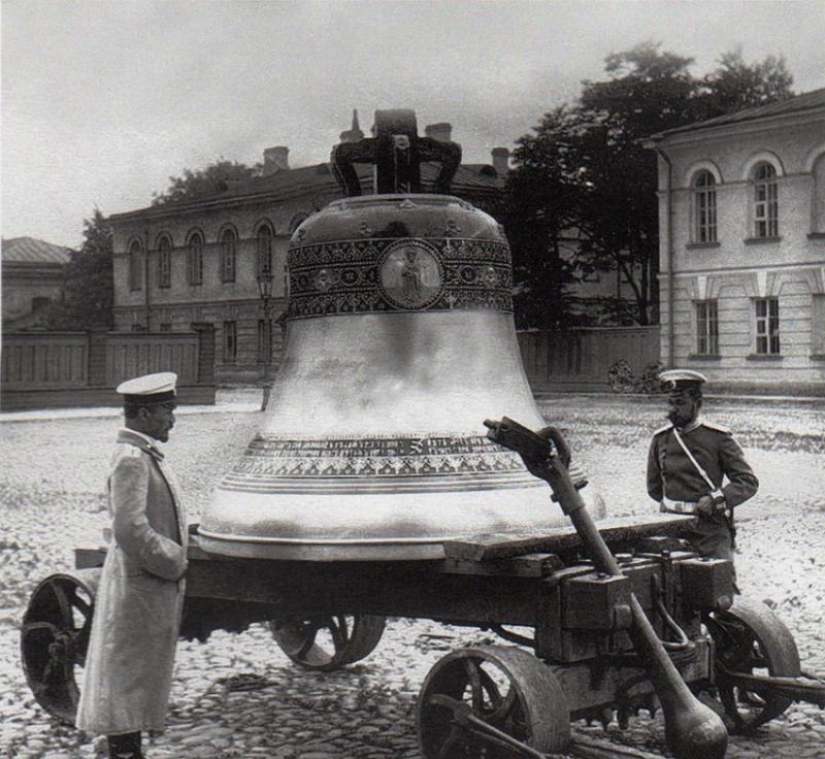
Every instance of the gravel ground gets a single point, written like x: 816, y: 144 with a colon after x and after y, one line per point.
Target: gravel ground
x: 238, y: 696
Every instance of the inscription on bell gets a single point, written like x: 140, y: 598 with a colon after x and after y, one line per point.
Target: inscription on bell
x: 363, y: 447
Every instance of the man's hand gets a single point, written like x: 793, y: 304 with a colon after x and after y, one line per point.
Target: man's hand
x: 540, y: 469
x: 708, y: 505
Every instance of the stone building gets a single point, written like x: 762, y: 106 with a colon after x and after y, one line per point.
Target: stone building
x: 742, y: 251
x: 199, y: 262
x: 32, y: 278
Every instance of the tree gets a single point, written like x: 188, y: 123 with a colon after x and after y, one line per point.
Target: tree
x: 586, y: 169
x: 736, y: 85
x: 88, y: 290
x: 538, y: 208
x: 650, y: 91
x: 215, y: 178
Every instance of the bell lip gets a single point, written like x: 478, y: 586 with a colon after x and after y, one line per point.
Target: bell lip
x: 228, y: 537
x: 232, y: 525
x: 286, y: 549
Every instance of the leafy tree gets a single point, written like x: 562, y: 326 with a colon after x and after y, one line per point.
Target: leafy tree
x: 539, y: 206
x: 584, y: 168
x: 736, y: 85
x: 649, y: 91
x: 213, y: 179
x: 88, y: 290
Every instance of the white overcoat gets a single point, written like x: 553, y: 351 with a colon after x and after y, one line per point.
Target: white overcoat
x: 128, y: 668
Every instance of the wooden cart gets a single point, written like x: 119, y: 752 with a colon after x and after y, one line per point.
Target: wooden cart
x: 593, y: 624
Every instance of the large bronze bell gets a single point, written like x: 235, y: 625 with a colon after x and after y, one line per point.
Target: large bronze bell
x: 400, y: 343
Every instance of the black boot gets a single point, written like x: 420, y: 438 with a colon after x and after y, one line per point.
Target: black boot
x: 126, y: 746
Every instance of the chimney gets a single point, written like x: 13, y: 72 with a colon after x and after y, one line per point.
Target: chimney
x: 354, y: 134
x: 275, y: 159
x: 501, y: 161
x: 441, y: 131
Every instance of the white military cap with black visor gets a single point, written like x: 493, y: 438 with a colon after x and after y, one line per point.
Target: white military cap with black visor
x: 149, y: 389
x: 679, y: 380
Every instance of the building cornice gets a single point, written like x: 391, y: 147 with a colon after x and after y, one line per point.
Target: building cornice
x: 324, y: 188
x: 34, y: 267
x: 746, y: 269
x: 737, y: 128
x: 192, y: 208
x: 211, y: 303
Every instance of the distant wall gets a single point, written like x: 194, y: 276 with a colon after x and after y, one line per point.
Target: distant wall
x: 578, y: 360
x: 77, y: 369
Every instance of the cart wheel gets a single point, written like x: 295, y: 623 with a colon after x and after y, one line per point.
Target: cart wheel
x: 488, y: 701
x: 54, y: 638
x: 750, y: 638
x: 328, y: 642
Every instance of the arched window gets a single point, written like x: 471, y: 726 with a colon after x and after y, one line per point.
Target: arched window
x: 164, y: 262
x: 135, y: 266
x: 704, y: 207
x: 264, y: 257
x: 195, y: 259
x: 228, y: 256
x: 765, y: 201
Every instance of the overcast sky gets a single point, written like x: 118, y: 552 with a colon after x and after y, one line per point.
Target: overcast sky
x: 103, y: 100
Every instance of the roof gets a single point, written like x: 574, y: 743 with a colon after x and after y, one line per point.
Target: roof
x: 480, y: 179
x: 808, y: 101
x: 30, y: 250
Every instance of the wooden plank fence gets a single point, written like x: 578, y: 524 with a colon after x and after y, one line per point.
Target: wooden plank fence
x: 71, y: 369
x: 579, y: 360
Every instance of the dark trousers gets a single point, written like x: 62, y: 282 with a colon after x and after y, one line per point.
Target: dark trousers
x: 711, y: 537
x: 126, y: 746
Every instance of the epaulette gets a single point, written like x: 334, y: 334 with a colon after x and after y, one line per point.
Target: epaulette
x: 129, y: 450
x: 667, y: 427
x: 717, y: 427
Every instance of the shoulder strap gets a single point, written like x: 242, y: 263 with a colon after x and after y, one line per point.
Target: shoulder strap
x: 717, y: 427
x: 693, y: 460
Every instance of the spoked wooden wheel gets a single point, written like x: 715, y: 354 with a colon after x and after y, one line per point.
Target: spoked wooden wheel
x: 54, y: 638
x: 751, y: 639
x: 328, y: 642
x: 491, y: 702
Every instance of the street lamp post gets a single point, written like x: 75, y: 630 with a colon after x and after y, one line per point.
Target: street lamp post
x: 265, y: 291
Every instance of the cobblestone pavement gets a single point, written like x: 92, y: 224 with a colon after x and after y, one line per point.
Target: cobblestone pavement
x: 237, y: 695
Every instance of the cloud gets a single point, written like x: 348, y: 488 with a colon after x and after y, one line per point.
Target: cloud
x: 103, y: 101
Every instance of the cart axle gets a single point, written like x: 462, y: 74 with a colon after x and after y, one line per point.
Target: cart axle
x: 806, y: 687
x: 580, y: 746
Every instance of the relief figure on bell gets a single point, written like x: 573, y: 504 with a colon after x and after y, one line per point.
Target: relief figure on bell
x: 410, y: 276
x: 411, y: 284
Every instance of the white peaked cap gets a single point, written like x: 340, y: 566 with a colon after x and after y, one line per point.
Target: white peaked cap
x: 160, y: 384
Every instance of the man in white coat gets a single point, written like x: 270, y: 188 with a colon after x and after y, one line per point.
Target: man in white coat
x: 128, y: 671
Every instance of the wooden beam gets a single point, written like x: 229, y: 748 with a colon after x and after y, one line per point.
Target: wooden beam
x: 496, y: 546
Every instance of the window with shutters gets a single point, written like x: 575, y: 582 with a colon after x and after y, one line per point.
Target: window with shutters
x: 707, y: 328
x: 135, y: 266
x: 164, y: 262
x: 767, y: 326
x: 195, y: 260
x: 230, y: 341
x: 228, y: 248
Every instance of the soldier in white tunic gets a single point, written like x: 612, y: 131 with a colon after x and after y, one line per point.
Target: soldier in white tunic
x: 137, y: 614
